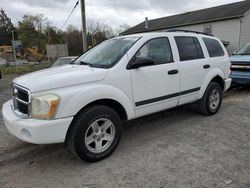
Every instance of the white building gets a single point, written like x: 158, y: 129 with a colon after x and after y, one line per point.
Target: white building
x: 230, y: 23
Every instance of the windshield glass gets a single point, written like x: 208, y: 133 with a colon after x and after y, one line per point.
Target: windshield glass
x: 245, y: 50
x: 106, y: 54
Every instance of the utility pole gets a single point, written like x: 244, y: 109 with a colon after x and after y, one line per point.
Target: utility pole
x: 14, y: 49
x: 84, y: 30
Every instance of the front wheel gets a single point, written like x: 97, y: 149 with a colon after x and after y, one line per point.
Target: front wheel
x: 212, y: 99
x: 94, y: 133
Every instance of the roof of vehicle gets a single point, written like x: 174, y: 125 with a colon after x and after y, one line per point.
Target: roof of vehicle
x: 168, y: 33
x: 223, y: 12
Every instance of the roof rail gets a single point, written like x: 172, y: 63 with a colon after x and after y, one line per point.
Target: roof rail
x: 188, y: 31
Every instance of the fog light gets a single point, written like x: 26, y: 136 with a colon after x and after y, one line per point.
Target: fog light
x: 26, y: 133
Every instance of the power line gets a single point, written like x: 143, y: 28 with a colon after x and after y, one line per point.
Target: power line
x: 70, y: 14
x: 59, y: 23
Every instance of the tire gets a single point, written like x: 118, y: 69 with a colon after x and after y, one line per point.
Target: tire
x: 212, y: 99
x: 94, y: 133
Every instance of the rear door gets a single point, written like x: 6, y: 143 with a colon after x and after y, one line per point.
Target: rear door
x: 217, y: 55
x: 192, y: 66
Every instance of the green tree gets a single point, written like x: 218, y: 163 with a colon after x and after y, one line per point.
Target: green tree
x: 27, y: 32
x: 53, y: 35
x: 74, y: 40
x: 5, y: 28
x: 31, y: 31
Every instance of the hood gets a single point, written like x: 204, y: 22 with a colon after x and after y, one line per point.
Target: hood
x: 240, y: 58
x: 62, y: 76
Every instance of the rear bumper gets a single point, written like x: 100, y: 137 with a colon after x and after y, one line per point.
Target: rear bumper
x: 33, y: 130
x: 227, y: 83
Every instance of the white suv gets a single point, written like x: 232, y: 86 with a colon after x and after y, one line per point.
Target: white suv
x: 85, y: 103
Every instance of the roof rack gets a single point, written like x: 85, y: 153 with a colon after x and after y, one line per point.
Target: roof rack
x: 188, y: 31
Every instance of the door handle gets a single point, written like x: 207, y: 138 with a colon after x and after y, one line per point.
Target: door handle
x: 171, y: 72
x: 206, y: 66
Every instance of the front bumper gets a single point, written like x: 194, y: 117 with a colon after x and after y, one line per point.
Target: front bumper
x: 33, y: 130
x: 241, y: 81
x: 240, y: 78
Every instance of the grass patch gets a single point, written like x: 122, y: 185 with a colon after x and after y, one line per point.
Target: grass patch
x: 23, y: 69
x: 5, y: 82
x: 9, y: 72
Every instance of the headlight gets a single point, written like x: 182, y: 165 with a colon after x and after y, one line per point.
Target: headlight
x: 44, y: 107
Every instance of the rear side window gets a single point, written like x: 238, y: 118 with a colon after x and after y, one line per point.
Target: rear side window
x: 189, y: 48
x: 214, y: 48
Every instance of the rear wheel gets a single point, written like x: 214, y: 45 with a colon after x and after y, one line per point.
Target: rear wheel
x: 95, y: 133
x: 212, y: 99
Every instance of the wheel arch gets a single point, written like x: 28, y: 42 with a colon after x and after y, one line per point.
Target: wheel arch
x: 219, y: 80
x: 111, y: 103
x: 215, y: 75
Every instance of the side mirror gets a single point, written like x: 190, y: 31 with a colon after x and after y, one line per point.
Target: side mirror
x: 141, y: 62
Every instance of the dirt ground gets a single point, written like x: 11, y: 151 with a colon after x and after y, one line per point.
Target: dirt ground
x: 174, y: 148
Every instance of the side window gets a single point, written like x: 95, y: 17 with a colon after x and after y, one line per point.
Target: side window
x: 214, y: 48
x: 159, y: 50
x: 189, y: 48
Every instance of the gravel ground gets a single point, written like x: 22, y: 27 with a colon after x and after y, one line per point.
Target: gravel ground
x: 174, y: 148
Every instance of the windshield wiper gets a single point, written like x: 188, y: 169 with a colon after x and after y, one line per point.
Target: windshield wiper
x: 86, y: 63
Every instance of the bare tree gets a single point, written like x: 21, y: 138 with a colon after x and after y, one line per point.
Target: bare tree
x: 122, y: 28
x: 98, y: 32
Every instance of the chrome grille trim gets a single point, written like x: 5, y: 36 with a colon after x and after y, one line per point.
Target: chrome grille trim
x: 241, y: 66
x: 21, y: 101
x: 16, y: 100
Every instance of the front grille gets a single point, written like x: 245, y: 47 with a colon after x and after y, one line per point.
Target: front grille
x: 21, y: 101
x: 23, y: 108
x: 23, y: 95
x: 240, y: 66
x: 240, y: 63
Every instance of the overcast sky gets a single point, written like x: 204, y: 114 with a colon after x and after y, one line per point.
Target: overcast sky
x: 111, y: 12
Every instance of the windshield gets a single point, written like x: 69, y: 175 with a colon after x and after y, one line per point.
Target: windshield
x: 245, y: 50
x: 106, y: 54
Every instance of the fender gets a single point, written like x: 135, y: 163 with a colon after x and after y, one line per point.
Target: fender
x: 212, y: 74
x: 90, y: 93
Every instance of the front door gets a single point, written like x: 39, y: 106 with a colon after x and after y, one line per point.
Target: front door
x: 156, y: 87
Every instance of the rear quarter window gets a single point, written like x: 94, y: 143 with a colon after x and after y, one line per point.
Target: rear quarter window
x: 214, y: 48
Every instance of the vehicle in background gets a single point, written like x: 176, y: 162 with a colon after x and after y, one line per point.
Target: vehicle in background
x: 63, y: 61
x: 241, y: 66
